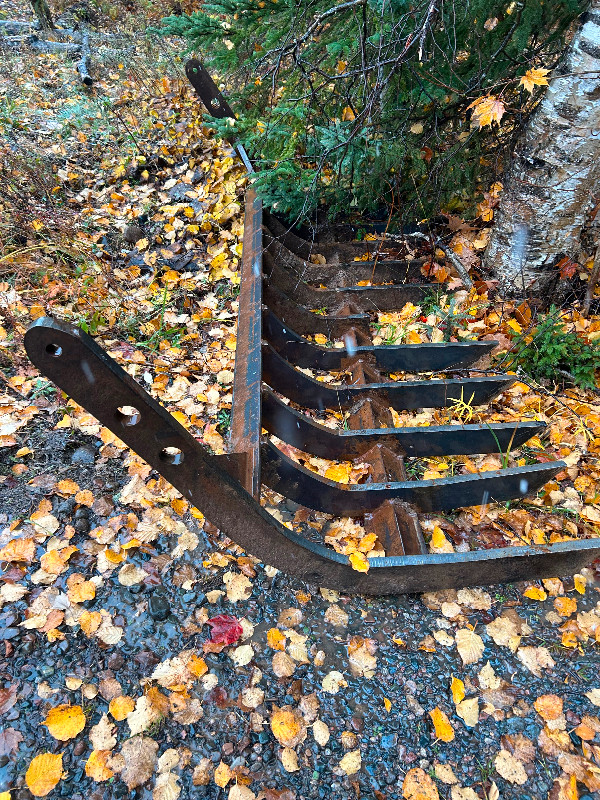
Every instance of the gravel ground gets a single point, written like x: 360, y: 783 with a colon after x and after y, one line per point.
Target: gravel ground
x: 383, y: 714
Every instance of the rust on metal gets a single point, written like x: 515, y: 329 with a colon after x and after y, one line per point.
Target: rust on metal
x: 281, y: 281
x: 245, y: 410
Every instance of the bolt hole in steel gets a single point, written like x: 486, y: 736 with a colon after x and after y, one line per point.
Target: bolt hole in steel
x: 54, y: 350
x: 171, y: 455
x: 128, y: 415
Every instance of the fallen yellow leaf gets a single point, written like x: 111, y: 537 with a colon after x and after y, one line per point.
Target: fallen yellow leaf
x: 121, y: 706
x: 223, y: 775
x: 441, y: 723
x: 289, y: 727
x: 197, y: 666
x: 44, y: 773
x: 418, y: 785
x: 339, y: 473
x: 535, y: 593
x: 457, y: 688
x: 359, y: 562
x: 95, y: 766
x: 565, y: 606
x: 275, y: 639
x: 90, y: 621
x: 65, y: 721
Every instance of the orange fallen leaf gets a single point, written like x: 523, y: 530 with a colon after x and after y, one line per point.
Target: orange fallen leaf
x: 55, y: 561
x: 565, y: 606
x: 441, y: 723
x: 44, y: 773
x: 275, y: 639
x: 197, y: 666
x: 549, y: 706
x: 79, y: 590
x: 18, y: 550
x: 85, y: 498
x: 90, y: 621
x: 339, y: 473
x: 418, y: 785
x: 121, y: 706
x: 66, y: 487
x: 288, y: 726
x: 65, y: 721
x: 95, y: 766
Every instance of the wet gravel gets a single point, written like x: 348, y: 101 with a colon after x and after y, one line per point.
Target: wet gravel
x: 154, y: 615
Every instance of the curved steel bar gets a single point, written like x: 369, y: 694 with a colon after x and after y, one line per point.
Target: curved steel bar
x: 309, y: 489
x: 301, y: 318
x: 372, y: 298
x: 83, y: 370
x: 207, y: 90
x: 309, y: 436
x: 401, y: 395
x: 425, y: 357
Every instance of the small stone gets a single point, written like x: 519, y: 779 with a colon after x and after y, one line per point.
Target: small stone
x: 159, y: 607
x: 83, y: 455
x: 82, y: 525
x: 133, y: 233
x: 79, y: 748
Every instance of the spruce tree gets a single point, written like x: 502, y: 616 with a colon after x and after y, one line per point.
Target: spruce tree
x: 365, y: 104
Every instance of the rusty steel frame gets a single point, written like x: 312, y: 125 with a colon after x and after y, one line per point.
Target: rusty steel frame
x: 271, y: 324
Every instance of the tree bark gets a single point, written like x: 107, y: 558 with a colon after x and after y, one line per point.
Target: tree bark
x: 41, y: 10
x: 555, y: 167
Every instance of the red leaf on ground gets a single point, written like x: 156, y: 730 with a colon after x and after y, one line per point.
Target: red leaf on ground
x: 224, y: 629
x: 8, y: 697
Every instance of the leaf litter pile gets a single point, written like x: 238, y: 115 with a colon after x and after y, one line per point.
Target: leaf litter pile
x: 143, y: 653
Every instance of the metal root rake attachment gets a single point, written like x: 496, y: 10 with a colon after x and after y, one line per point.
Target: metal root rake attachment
x: 279, y: 287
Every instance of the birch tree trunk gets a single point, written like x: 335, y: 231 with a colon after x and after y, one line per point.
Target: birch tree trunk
x: 556, y: 165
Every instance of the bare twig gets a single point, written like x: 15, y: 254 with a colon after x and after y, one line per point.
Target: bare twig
x: 456, y: 263
x: 452, y: 258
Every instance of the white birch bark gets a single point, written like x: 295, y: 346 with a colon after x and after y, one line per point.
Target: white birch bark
x: 549, y: 183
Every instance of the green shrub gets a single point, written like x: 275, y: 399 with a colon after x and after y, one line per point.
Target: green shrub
x: 550, y: 352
